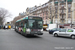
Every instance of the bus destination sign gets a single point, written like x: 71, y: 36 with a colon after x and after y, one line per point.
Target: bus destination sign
x: 37, y: 18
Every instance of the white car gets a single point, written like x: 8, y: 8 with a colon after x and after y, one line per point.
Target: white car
x: 65, y: 32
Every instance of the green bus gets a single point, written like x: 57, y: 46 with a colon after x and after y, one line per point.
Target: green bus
x: 30, y: 25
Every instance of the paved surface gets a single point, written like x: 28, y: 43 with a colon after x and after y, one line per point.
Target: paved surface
x: 11, y: 40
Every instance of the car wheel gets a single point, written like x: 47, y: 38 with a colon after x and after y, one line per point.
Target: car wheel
x: 73, y: 36
x: 55, y: 35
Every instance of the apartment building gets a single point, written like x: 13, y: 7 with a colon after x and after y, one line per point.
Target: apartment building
x: 65, y: 11
x: 61, y: 11
x: 41, y: 11
x: 58, y: 11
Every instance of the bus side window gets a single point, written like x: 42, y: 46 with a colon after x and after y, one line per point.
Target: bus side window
x: 25, y: 25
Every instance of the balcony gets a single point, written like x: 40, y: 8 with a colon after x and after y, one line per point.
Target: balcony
x: 62, y: 8
x: 69, y: 1
x: 62, y: 14
x: 44, y: 5
x: 62, y: 2
x: 56, y: 2
x: 62, y: 19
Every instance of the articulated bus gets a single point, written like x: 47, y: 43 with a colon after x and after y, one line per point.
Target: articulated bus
x: 30, y: 25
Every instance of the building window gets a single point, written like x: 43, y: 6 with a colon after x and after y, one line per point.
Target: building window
x: 62, y: 5
x: 62, y: 11
x: 69, y: 21
x: 43, y: 17
x: 56, y: 21
x: 74, y: 4
x: 69, y: 15
x: 50, y: 10
x: 43, y: 14
x: 46, y: 13
x: 55, y: 16
x: 46, y: 17
x: 69, y: 9
x: 56, y: 11
x: 69, y: 5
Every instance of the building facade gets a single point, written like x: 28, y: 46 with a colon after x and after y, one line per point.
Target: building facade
x: 55, y: 11
x: 65, y: 10
x: 61, y: 11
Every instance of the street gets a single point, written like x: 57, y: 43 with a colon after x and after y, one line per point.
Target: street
x: 11, y: 40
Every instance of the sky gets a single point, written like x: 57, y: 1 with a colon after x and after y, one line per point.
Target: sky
x: 17, y: 6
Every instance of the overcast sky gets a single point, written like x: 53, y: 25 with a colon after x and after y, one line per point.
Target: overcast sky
x: 17, y: 6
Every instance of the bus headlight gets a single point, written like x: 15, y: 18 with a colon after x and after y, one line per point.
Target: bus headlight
x: 28, y: 30
x: 41, y: 30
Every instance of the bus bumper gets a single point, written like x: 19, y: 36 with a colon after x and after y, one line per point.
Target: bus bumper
x: 36, y: 33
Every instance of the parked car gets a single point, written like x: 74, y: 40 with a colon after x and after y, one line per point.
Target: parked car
x: 54, y: 29
x: 65, y: 32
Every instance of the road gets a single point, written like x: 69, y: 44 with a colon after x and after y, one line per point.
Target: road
x: 11, y: 40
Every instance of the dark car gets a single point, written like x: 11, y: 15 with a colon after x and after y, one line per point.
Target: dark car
x: 52, y: 30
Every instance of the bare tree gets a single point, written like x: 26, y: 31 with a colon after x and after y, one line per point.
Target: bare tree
x: 3, y: 14
x: 1, y: 20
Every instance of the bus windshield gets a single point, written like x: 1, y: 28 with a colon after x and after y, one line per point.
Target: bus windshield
x: 35, y: 24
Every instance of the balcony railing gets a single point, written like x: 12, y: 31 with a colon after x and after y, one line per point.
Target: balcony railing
x: 62, y: 14
x: 62, y: 19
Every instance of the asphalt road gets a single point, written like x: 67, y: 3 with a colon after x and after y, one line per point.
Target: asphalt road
x: 11, y: 40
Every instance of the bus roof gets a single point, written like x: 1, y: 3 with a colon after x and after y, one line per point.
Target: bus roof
x: 27, y: 17
x: 22, y: 19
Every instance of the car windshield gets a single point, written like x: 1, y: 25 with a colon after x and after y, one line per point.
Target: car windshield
x: 54, y: 29
x: 36, y: 24
x: 58, y: 29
